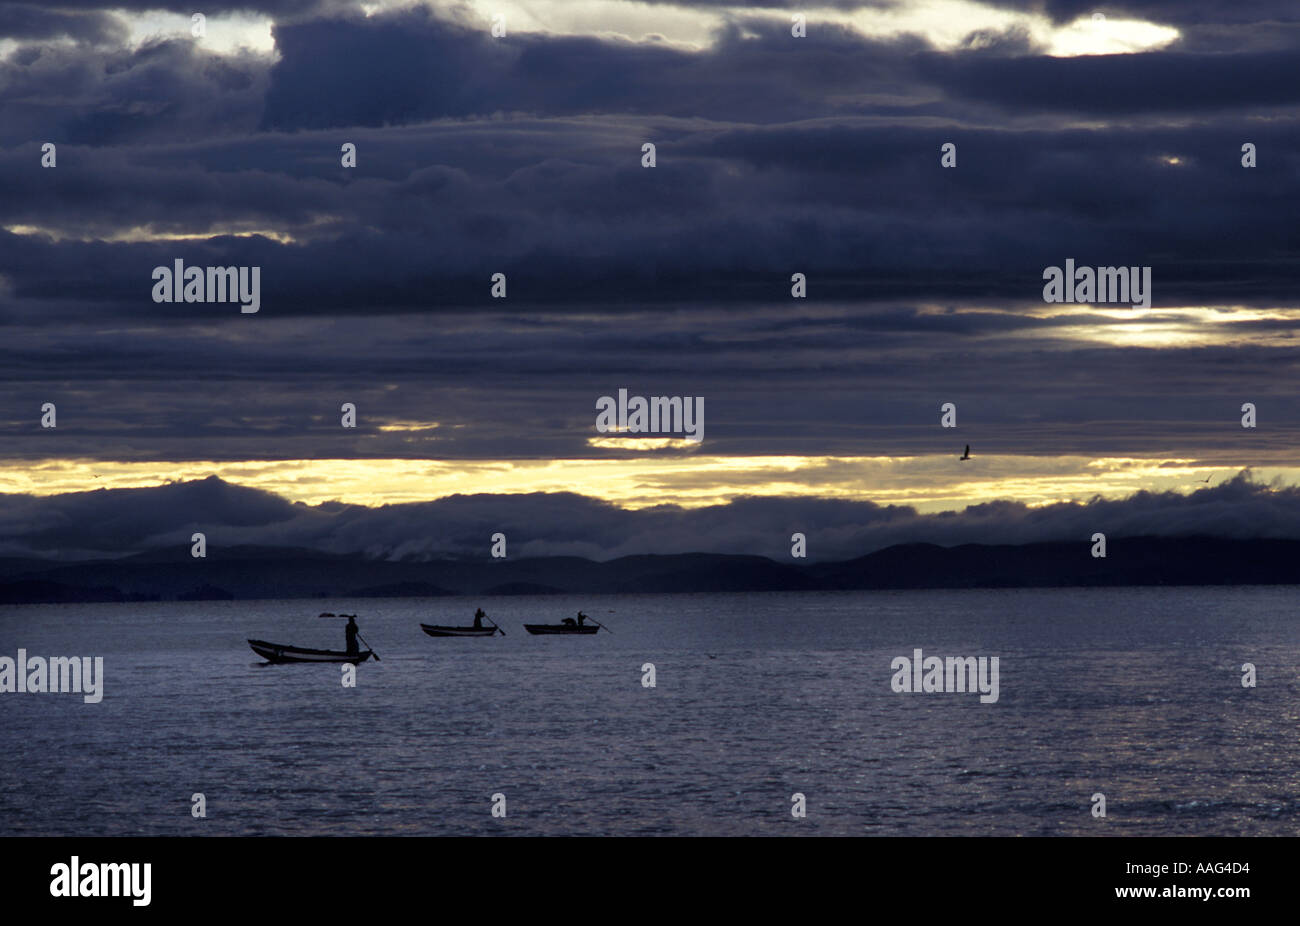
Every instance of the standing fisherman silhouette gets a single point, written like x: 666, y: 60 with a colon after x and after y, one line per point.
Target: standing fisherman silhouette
x: 478, y: 618
x: 350, y: 631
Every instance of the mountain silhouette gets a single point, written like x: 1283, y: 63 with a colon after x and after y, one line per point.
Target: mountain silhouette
x: 278, y: 572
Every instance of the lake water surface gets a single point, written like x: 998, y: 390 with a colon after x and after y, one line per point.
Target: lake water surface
x: 1134, y: 693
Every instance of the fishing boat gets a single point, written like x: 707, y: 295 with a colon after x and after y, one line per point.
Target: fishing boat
x: 281, y: 653
x: 438, y: 630
x: 561, y: 628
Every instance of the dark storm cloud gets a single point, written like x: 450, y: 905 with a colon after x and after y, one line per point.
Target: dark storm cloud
x: 523, y: 156
x: 122, y: 521
x: 503, y: 386
x: 1183, y: 12
x: 109, y: 521
x: 864, y: 210
x: 1121, y: 84
x: 161, y: 93
x: 431, y: 68
x: 210, y: 7
x: 1178, y: 12
x: 21, y: 21
x: 420, y: 67
x: 563, y: 205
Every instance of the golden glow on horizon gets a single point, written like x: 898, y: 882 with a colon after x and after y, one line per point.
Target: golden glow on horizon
x: 410, y: 426
x: 140, y: 234
x: 1159, y: 326
x: 928, y: 483
x: 641, y: 443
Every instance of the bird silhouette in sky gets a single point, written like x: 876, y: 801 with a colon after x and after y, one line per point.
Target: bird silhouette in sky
x: 966, y: 455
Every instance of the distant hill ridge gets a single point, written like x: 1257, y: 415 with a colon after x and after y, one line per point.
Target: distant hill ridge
x: 281, y: 572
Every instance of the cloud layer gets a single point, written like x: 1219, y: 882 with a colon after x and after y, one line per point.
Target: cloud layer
x: 119, y: 522
x: 522, y: 155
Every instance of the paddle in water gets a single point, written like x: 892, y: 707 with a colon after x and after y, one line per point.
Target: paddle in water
x: 351, y: 631
x: 479, y: 616
x: 369, y: 647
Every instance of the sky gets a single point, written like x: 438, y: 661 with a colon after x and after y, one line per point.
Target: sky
x: 1108, y: 135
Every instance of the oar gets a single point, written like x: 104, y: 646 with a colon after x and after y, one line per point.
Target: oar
x: 600, y: 625
x: 496, y: 625
x: 359, y: 636
x: 369, y: 647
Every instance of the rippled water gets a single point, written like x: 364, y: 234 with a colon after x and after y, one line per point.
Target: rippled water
x: 1135, y: 693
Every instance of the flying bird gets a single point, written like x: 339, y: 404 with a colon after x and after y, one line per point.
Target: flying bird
x: 966, y: 455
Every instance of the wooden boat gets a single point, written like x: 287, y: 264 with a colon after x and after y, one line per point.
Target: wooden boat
x: 281, y: 653
x: 438, y: 630
x: 561, y: 628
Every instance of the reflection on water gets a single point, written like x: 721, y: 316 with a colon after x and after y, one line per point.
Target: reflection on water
x: 1135, y: 693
